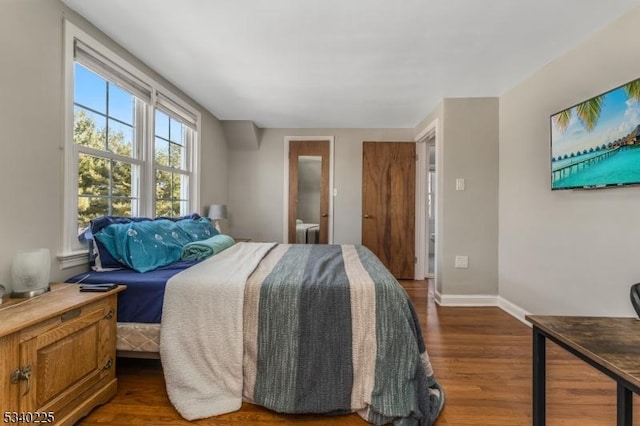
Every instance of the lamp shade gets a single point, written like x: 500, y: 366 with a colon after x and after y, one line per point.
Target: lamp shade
x: 30, y: 273
x: 217, y: 211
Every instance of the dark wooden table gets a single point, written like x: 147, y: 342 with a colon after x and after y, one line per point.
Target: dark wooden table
x: 612, y: 345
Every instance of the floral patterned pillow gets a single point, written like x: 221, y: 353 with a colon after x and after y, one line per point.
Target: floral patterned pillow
x: 144, y: 245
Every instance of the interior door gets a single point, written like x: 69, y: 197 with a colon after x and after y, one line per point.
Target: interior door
x: 388, y: 204
x: 308, y: 191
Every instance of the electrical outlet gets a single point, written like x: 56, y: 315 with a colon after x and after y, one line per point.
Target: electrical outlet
x: 460, y: 184
x: 462, y: 262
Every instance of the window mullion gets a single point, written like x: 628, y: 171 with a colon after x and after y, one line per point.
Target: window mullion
x: 139, y: 174
x: 192, y: 154
x: 147, y: 197
x: 110, y: 189
x: 107, y: 155
x: 172, y: 169
x: 186, y: 146
x: 106, y: 123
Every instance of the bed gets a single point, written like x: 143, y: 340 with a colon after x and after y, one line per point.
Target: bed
x: 307, y: 233
x: 139, y: 306
x: 295, y: 328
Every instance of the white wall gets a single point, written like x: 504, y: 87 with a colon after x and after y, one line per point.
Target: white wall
x: 31, y: 123
x: 566, y: 252
x: 256, y: 182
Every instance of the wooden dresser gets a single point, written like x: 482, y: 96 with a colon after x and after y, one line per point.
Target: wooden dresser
x: 57, y: 354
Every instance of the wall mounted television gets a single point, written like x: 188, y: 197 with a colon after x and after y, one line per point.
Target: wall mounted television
x: 596, y: 144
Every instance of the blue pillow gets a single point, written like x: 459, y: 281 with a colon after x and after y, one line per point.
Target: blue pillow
x: 144, y: 246
x: 100, y: 259
x: 198, y: 229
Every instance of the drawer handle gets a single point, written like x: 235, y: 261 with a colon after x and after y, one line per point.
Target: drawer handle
x: 107, y: 365
x: 20, y: 374
x: 70, y: 315
x: 109, y: 315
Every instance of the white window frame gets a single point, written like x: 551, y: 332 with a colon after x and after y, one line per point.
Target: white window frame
x: 73, y: 254
x: 136, y: 160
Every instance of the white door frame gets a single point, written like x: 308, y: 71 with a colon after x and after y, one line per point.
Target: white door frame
x: 422, y: 222
x: 285, y: 211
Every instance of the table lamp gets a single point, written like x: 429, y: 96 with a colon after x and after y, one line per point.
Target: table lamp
x: 217, y: 212
x: 30, y: 273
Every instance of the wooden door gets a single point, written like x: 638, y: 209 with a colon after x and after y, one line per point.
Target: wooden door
x: 316, y: 149
x: 388, y: 204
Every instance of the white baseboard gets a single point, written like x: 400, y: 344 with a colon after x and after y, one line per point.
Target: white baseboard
x: 514, y: 310
x: 438, y: 298
x: 458, y: 300
x: 468, y: 300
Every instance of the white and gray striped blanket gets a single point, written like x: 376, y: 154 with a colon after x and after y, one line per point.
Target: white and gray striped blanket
x: 327, y: 329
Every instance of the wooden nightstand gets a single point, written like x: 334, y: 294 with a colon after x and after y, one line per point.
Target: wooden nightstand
x: 57, y: 353
x: 242, y: 240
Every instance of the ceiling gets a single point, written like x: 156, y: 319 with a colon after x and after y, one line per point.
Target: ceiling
x: 345, y: 63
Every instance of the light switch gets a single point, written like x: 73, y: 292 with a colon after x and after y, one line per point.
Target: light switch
x: 460, y: 184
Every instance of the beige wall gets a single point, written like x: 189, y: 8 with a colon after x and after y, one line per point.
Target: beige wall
x: 256, y: 182
x: 467, y: 222
x: 566, y: 252
x: 470, y: 218
x: 31, y: 119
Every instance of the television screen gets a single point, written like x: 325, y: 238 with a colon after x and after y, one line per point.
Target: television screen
x: 596, y: 143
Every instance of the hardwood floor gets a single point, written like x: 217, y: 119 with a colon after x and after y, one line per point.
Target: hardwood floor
x: 481, y: 356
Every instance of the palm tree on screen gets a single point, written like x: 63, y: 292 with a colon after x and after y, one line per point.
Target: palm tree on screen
x: 589, y: 111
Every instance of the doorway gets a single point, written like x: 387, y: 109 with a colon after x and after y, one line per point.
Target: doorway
x: 431, y: 207
x: 428, y: 185
x: 308, y: 180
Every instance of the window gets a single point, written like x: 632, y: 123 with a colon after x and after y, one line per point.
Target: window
x: 171, y: 169
x: 131, y: 145
x: 104, y: 132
